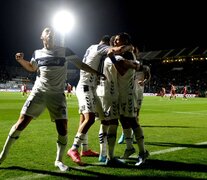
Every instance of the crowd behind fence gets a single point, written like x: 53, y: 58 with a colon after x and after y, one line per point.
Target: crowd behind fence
x: 193, y: 75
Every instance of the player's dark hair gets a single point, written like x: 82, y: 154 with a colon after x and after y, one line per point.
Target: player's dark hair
x: 125, y: 37
x: 106, y: 39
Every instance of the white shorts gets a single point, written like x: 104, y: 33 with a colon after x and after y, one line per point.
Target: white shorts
x: 37, y: 102
x: 140, y: 91
x: 128, y: 106
x: 109, y: 102
x: 87, y: 99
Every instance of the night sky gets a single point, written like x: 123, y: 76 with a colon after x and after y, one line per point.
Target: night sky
x: 153, y: 25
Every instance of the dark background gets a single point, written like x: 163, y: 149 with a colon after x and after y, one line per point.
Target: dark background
x: 153, y: 25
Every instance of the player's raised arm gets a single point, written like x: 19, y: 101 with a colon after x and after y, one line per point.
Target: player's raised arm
x: 25, y: 64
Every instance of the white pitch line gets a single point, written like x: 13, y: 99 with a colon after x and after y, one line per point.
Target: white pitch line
x: 151, y: 153
x: 167, y: 150
x: 172, y: 149
x: 199, y: 113
x: 201, y: 143
x: 98, y: 163
x: 180, y: 112
x: 36, y: 176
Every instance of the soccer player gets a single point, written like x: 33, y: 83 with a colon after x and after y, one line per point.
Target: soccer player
x: 87, y: 97
x: 68, y: 89
x: 142, y: 77
x: 172, y: 91
x: 163, y: 92
x: 108, y: 92
x: 129, y: 106
x: 184, y: 91
x: 50, y: 63
x: 24, y: 89
x: 102, y: 89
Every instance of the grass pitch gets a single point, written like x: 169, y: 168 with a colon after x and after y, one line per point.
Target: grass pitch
x: 175, y: 135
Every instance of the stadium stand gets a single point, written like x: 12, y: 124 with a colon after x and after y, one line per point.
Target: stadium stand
x: 182, y: 66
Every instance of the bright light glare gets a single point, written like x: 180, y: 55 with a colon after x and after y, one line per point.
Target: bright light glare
x: 63, y: 22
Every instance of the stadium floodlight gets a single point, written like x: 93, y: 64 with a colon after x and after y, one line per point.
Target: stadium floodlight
x: 63, y: 22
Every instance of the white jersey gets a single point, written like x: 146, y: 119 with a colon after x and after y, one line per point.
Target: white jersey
x: 139, y: 76
x: 52, y: 68
x: 92, y: 57
x: 23, y: 88
x: 48, y: 90
x: 86, y: 88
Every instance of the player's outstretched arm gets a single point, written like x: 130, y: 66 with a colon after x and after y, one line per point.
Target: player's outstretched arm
x: 25, y: 64
x: 85, y: 67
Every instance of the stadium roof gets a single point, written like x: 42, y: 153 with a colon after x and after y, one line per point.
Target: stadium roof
x: 174, y: 53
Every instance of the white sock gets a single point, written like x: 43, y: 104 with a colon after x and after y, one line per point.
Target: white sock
x: 84, y: 143
x: 138, y: 133
x: 78, y: 140
x: 103, y: 139
x: 13, y: 135
x: 111, y: 138
x: 128, y: 138
x: 61, y: 145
